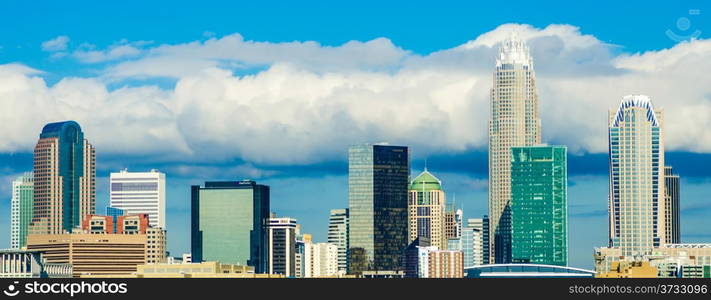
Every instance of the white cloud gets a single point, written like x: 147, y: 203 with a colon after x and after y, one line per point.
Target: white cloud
x: 311, y: 101
x: 87, y: 53
x: 56, y: 44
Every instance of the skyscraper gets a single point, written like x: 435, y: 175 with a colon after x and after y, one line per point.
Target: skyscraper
x: 426, y: 210
x: 514, y: 122
x: 64, y: 178
x: 453, y: 223
x: 320, y: 260
x: 378, y: 177
x: 229, y: 223
x: 140, y: 193
x: 21, y: 209
x: 338, y: 235
x: 282, y: 246
x: 636, y: 200
x: 672, y: 222
x: 539, y: 205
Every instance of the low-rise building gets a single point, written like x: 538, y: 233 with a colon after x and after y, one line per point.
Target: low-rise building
x: 30, y: 264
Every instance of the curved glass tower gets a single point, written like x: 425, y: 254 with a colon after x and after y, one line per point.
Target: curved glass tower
x: 65, y: 179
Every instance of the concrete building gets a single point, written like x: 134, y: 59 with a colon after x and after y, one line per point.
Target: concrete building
x: 445, y: 264
x: 378, y: 178
x: 636, y: 151
x: 229, y: 223
x: 338, y: 235
x: 671, y: 260
x: 30, y: 264
x: 426, y: 208
x: 282, y: 246
x: 21, y: 207
x: 514, y: 122
x: 320, y: 260
x: 100, y: 254
x: 453, y: 219
x: 64, y: 179
x: 140, y: 193
x: 473, y: 242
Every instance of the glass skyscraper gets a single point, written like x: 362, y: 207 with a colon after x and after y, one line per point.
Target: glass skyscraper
x: 378, y: 177
x: 21, y: 209
x: 514, y: 122
x: 229, y: 223
x: 671, y: 206
x: 539, y: 205
x: 64, y: 178
x: 636, y: 145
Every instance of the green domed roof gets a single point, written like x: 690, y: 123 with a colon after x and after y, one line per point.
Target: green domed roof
x: 426, y: 181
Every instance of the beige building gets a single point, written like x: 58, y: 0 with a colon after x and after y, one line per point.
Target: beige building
x: 156, y: 246
x: 514, y: 122
x: 688, y: 255
x: 97, y: 254
x: 426, y: 210
x: 445, y: 264
x: 320, y: 260
x: 209, y: 269
x: 627, y: 269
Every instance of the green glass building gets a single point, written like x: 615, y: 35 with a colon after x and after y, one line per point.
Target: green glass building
x: 378, y: 179
x: 229, y: 223
x: 539, y: 205
x: 21, y: 209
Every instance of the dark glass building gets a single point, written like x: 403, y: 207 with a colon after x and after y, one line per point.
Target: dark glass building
x: 671, y: 206
x: 229, y: 223
x: 378, y: 178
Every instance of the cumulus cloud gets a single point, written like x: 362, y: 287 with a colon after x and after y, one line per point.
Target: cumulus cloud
x: 87, y: 53
x: 56, y: 44
x: 307, y: 102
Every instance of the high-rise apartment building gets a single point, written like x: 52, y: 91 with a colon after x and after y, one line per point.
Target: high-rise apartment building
x: 378, y: 178
x: 539, y: 205
x: 338, y: 235
x: 514, y: 122
x: 229, y: 223
x: 320, y: 260
x: 426, y: 210
x: 636, y: 199
x: 282, y: 246
x: 21, y: 207
x: 672, y: 220
x: 140, y: 193
x: 64, y: 179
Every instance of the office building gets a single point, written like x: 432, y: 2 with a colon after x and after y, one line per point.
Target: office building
x: 474, y: 243
x: 426, y: 209
x: 64, y: 179
x: 282, y: 246
x: 140, y: 193
x: 320, y: 260
x: 539, y: 205
x: 412, y: 257
x: 378, y: 178
x: 101, y: 254
x: 672, y: 209
x: 114, y: 213
x: 229, y: 223
x: 636, y: 201
x: 514, y: 122
x: 21, y: 209
x: 338, y: 235
x: 453, y: 223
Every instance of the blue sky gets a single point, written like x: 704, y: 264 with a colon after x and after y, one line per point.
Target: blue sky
x: 276, y: 91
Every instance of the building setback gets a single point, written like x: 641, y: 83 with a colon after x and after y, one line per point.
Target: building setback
x: 229, y: 223
x: 514, y: 122
x: 378, y: 177
x: 539, y: 205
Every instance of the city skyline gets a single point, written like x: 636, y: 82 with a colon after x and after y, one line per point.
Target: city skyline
x: 454, y: 74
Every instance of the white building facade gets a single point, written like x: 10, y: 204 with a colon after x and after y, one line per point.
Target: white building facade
x: 140, y: 193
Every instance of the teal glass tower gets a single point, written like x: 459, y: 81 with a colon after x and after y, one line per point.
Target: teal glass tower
x: 539, y: 205
x: 378, y: 179
x: 229, y: 223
